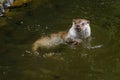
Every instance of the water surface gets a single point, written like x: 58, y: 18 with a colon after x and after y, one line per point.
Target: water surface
x: 40, y: 18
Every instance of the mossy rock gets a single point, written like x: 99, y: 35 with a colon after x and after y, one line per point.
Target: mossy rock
x: 20, y: 2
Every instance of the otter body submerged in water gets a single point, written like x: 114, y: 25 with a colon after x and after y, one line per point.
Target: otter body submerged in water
x: 79, y: 31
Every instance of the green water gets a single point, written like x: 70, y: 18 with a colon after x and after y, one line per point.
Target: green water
x: 25, y: 25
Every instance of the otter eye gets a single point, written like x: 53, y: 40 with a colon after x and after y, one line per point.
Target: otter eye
x: 83, y: 24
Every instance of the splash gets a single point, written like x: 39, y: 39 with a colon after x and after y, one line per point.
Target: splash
x: 94, y: 47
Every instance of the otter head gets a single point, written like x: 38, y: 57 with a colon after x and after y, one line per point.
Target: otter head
x: 80, y: 24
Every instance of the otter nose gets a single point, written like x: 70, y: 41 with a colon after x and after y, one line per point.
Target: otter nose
x: 77, y: 26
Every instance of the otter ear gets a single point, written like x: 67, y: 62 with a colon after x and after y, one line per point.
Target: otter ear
x: 88, y: 22
x: 73, y: 21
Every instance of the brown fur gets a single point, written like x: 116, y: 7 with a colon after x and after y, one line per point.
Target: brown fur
x: 47, y: 42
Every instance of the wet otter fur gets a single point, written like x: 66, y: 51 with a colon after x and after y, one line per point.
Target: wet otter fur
x: 79, y: 31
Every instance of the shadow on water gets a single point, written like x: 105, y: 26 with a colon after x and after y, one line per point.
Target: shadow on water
x: 26, y: 24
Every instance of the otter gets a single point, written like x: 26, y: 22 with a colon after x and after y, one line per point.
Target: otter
x: 79, y: 31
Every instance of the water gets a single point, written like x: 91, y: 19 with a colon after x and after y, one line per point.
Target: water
x: 25, y: 25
